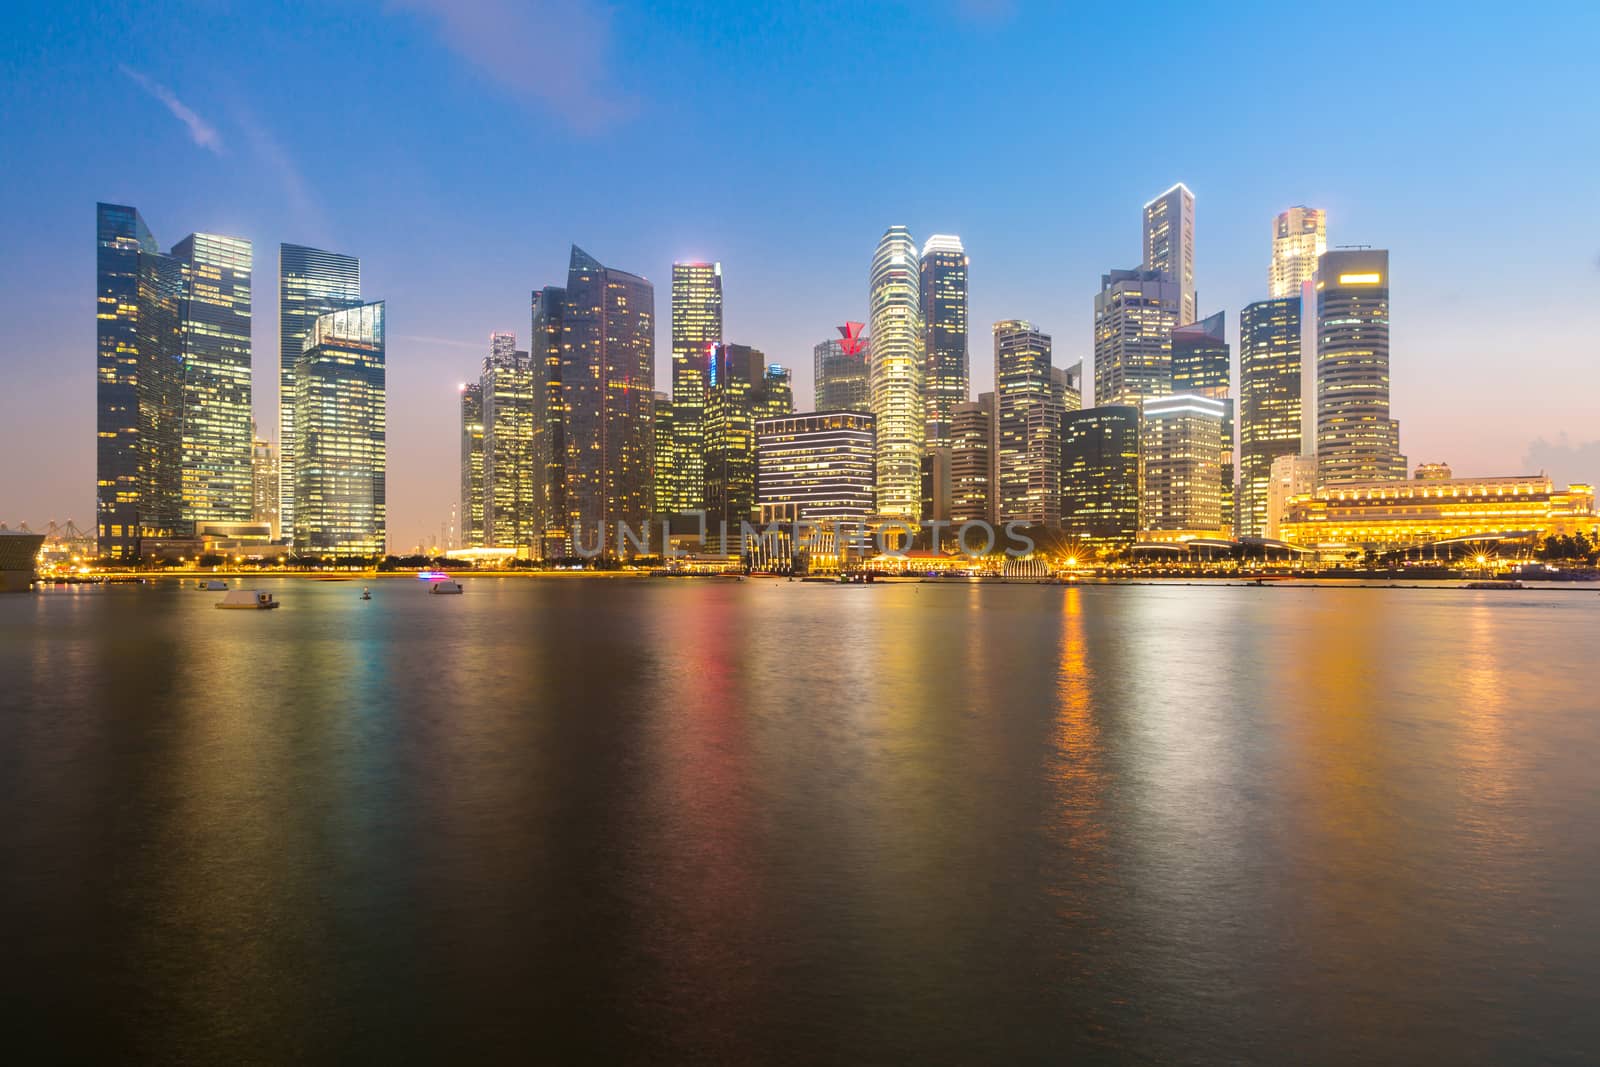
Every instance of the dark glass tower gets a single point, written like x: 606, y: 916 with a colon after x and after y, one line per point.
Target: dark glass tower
x: 311, y: 283
x: 1270, y: 401
x: 1100, y: 476
x: 139, y: 385
x: 472, y: 466
x: 736, y: 396
x: 696, y: 326
x: 608, y: 387
x: 549, y: 437
x: 944, y: 322
x: 1201, y: 364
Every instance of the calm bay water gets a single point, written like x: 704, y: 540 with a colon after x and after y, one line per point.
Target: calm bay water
x: 651, y: 821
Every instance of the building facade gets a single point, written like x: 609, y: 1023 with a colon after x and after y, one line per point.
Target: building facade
x: 549, y: 416
x: 1027, y: 425
x: 896, y: 373
x: 311, y: 283
x: 839, y: 368
x: 1180, y: 449
x: 972, y: 488
x: 696, y: 326
x: 264, y: 481
x: 816, y: 467
x: 1202, y: 365
x: 1299, y: 237
x: 736, y: 398
x: 1134, y: 315
x: 341, y: 421
x: 943, y: 290
x: 1100, y: 476
x: 507, y: 385
x: 1270, y: 384
x: 1292, y: 476
x: 472, y: 492
x: 1357, y: 441
x: 1169, y: 244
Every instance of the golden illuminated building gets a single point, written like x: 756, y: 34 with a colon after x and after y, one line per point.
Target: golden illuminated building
x: 1299, y: 237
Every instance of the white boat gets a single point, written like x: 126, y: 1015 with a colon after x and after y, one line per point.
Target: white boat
x: 213, y: 585
x: 445, y: 586
x: 250, y: 599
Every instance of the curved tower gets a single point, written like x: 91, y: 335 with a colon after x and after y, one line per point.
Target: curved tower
x: 893, y: 300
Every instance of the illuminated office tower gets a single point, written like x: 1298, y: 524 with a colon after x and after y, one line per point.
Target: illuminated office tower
x: 608, y: 391
x: 1269, y: 401
x: 1299, y: 237
x: 840, y: 371
x: 736, y: 396
x: 666, y: 453
x: 1169, y: 244
x: 1134, y: 315
x: 1100, y: 476
x: 264, y: 484
x: 214, y: 330
x: 472, y: 465
x: 138, y: 386
x: 1202, y: 366
x: 1292, y: 476
x: 549, y: 438
x: 972, y: 487
x: 311, y: 283
x: 340, y: 421
x: 1180, y: 446
x: 507, y: 383
x: 777, y: 396
x: 896, y: 372
x: 943, y: 289
x: 696, y: 326
x: 1028, y: 408
x: 815, y: 467
x: 1357, y: 441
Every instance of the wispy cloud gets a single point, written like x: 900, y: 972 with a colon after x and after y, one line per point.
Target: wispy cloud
x: 205, y: 135
x: 303, y: 209
x: 555, y: 52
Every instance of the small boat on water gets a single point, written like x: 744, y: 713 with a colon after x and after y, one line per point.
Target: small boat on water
x: 1496, y: 583
x: 366, y: 594
x: 248, y: 599
x: 213, y: 585
x: 445, y: 586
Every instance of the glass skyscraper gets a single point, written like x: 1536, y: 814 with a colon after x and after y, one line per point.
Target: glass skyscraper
x: 1169, y: 244
x: 815, y: 467
x: 311, y: 283
x: 1100, y: 476
x: 608, y: 387
x: 471, y: 465
x: 1299, y: 237
x: 1269, y: 401
x: 1134, y: 315
x: 943, y: 287
x: 696, y: 326
x: 1202, y: 366
x: 1028, y: 423
x: 972, y: 487
x: 1357, y: 441
x: 896, y: 372
x: 508, y: 467
x: 839, y: 368
x: 549, y: 436
x: 739, y: 391
x: 341, y: 419
x: 1180, y: 446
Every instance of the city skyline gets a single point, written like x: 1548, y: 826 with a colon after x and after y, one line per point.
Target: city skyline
x: 1514, y: 385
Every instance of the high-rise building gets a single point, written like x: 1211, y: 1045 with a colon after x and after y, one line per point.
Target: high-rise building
x: 815, y: 467
x: 1134, y: 314
x: 1202, y: 365
x: 608, y: 390
x: 311, y: 283
x: 472, y: 494
x: 972, y: 488
x: 666, y: 439
x: 777, y: 397
x: 549, y: 416
x: 139, y: 386
x: 340, y: 420
x: 1291, y: 476
x: 1100, y: 476
x: 696, y: 326
x: 736, y: 396
x: 1180, y: 448
x: 1299, y: 237
x: 264, y: 483
x: 943, y: 289
x: 896, y: 371
x: 1269, y: 401
x: 1357, y: 441
x: 507, y: 384
x: 1028, y: 459
x: 1169, y: 244
x: 840, y: 371
x: 214, y: 329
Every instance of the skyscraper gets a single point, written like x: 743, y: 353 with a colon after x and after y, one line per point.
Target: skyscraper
x: 1357, y: 441
x: 737, y: 394
x: 1269, y: 401
x: 666, y: 439
x: 507, y: 386
x: 138, y: 385
x: 1180, y: 445
x: 696, y: 325
x: 1100, y: 476
x: 311, y: 283
x: 472, y: 465
x: 608, y: 390
x: 264, y: 481
x: 340, y: 420
x: 1134, y: 315
x: 972, y: 489
x: 1299, y: 237
x: 840, y: 371
x: 1030, y: 397
x: 815, y: 467
x: 1202, y: 366
x: 1169, y: 244
x: 943, y: 289
x: 549, y: 416
x: 894, y: 300
x: 214, y: 329
x: 777, y: 397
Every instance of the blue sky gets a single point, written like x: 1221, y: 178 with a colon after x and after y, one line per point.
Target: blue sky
x: 459, y: 147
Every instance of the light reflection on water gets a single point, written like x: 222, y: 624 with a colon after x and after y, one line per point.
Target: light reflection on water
x: 773, y: 821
